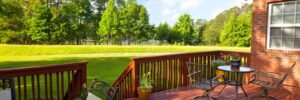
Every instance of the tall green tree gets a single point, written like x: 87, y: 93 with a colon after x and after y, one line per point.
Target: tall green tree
x: 162, y: 32
x: 211, y: 34
x: 184, y: 27
x: 199, y: 26
x: 237, y: 30
x: 40, y: 24
x: 109, y: 23
x: 143, y: 24
x: 10, y: 21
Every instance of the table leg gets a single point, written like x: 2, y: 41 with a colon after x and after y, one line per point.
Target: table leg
x: 237, y: 91
x: 244, y: 91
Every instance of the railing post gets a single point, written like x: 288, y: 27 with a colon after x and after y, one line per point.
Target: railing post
x: 83, y: 74
x: 135, y: 79
x: 184, y: 71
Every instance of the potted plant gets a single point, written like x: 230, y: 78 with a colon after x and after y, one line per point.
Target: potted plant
x: 215, y: 64
x: 235, y: 61
x: 145, y: 88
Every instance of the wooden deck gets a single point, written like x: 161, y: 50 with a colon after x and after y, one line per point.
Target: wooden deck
x: 188, y: 93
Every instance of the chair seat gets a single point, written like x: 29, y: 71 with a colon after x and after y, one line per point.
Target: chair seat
x: 91, y: 96
x: 263, y: 83
x: 206, y: 85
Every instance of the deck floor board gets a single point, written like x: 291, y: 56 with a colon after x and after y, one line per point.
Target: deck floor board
x: 188, y: 93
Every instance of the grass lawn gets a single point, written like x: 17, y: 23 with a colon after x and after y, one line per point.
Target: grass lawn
x: 105, y: 62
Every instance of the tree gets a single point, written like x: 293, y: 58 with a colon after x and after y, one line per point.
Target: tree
x: 211, y: 34
x: 143, y: 24
x: 184, y: 27
x: 40, y: 24
x: 10, y: 21
x: 109, y: 23
x: 237, y: 30
x: 199, y: 26
x: 162, y: 32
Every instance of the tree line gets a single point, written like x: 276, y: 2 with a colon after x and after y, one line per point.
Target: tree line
x: 118, y: 22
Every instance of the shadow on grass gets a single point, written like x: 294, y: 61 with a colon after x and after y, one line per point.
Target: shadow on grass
x: 103, y: 68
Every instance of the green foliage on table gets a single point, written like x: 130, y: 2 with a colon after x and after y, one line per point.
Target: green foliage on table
x: 146, y: 82
x: 235, y: 57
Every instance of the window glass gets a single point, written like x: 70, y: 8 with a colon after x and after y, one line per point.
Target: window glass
x: 288, y: 33
x: 289, y: 7
x: 288, y: 43
x: 297, y: 43
x: 275, y: 32
x: 277, y: 9
x: 298, y: 18
x: 298, y: 7
x: 275, y: 43
x: 288, y: 18
x: 297, y: 34
x: 276, y: 19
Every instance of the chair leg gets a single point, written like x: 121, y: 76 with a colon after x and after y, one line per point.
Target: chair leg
x: 205, y: 95
x: 264, y: 93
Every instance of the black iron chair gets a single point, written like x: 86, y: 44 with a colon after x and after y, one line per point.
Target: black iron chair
x: 201, y: 76
x: 102, y: 90
x: 269, y: 80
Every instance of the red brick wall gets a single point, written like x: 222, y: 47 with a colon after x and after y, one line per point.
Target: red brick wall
x: 271, y: 60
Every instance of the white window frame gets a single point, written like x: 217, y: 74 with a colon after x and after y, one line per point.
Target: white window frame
x: 281, y: 26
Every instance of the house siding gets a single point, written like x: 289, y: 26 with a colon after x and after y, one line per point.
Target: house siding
x: 268, y: 59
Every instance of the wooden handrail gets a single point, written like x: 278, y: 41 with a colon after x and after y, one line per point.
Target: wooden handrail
x: 123, y: 75
x: 74, y: 74
x: 168, y: 71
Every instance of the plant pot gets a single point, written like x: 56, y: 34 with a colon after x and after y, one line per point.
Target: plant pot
x: 143, y: 95
x: 235, y: 63
x: 220, y: 72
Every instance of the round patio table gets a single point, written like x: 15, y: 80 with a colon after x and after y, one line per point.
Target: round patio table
x: 234, y: 76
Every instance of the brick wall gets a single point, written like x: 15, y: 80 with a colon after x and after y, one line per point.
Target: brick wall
x: 271, y: 60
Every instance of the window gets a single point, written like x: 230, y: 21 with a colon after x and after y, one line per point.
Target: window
x: 284, y: 25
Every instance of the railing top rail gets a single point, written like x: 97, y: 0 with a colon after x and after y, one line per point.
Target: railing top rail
x: 125, y: 72
x: 168, y: 56
x: 40, y: 69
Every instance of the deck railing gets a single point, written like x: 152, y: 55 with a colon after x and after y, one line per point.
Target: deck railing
x: 54, y: 82
x: 168, y: 71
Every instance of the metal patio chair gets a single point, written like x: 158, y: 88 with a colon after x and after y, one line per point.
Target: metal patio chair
x: 201, y: 77
x: 100, y: 90
x: 269, y: 80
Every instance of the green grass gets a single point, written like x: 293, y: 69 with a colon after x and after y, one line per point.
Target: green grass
x: 104, y: 62
x: 83, y: 49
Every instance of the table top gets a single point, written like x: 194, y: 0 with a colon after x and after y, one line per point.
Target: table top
x: 242, y: 69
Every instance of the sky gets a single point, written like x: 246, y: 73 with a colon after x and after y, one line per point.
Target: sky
x: 169, y: 10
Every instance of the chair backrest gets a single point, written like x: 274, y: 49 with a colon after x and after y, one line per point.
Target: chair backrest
x: 287, y: 73
x: 198, y: 72
x: 103, y: 90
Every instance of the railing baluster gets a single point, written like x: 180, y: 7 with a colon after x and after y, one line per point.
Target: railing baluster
x: 32, y: 87
x: 57, y: 86
x: 38, y: 87
x: 62, y: 86
x: 46, y: 86
x: 19, y: 87
x: 51, y: 89
x: 25, y: 86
